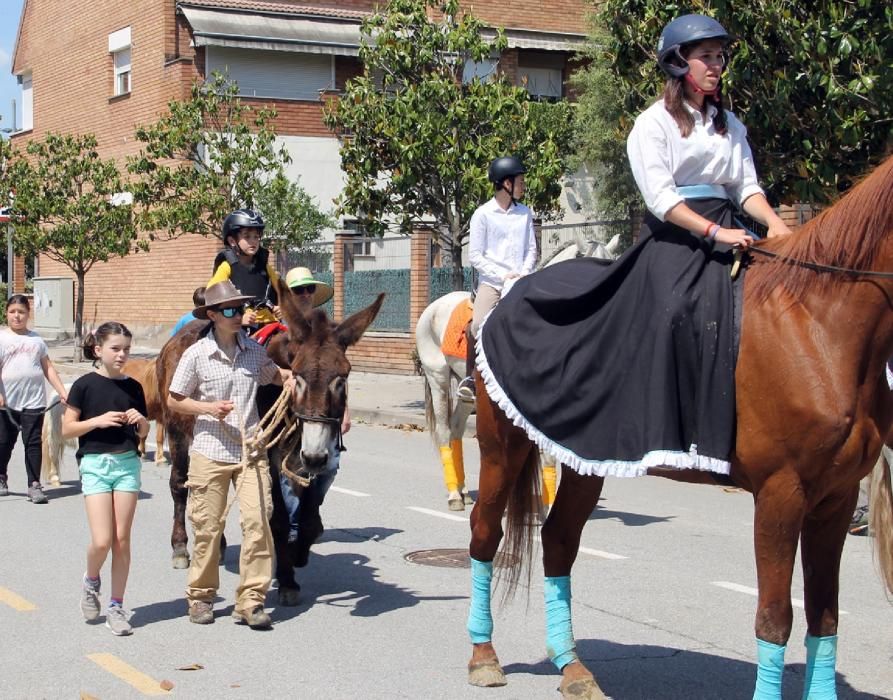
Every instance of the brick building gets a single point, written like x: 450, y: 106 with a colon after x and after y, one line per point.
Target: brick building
x: 104, y: 67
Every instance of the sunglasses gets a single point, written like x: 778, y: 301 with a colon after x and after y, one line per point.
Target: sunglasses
x: 230, y: 311
x: 306, y: 289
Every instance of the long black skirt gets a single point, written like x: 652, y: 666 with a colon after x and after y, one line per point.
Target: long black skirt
x: 615, y: 368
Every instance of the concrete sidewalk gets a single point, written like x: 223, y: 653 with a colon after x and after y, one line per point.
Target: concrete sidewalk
x: 376, y: 399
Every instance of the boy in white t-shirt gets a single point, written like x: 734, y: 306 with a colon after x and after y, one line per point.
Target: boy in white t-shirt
x: 24, y: 364
x: 501, y: 247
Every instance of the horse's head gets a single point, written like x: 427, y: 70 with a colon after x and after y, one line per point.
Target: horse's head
x: 315, y: 349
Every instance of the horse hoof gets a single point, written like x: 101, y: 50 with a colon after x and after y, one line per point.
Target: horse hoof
x: 454, y: 501
x: 180, y: 560
x: 487, y: 674
x: 161, y: 462
x: 582, y: 689
x: 289, y: 597
x: 55, y: 481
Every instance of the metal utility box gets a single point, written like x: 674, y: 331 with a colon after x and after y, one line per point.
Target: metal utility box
x: 54, y: 307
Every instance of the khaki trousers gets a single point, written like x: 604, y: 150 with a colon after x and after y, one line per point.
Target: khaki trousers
x: 209, y: 483
x: 485, y: 299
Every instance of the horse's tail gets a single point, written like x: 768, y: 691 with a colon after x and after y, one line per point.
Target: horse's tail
x: 880, y: 516
x: 52, y: 445
x: 430, y: 413
x: 522, y: 518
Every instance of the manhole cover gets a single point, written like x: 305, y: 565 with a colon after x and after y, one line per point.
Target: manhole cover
x: 449, y: 558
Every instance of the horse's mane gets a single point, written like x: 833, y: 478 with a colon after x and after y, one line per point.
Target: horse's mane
x: 848, y: 234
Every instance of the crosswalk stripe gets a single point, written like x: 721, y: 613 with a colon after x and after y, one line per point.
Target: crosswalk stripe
x: 15, y: 601
x: 438, y: 514
x: 127, y: 673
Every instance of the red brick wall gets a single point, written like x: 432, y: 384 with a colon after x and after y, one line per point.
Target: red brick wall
x: 387, y: 353
x: 66, y: 48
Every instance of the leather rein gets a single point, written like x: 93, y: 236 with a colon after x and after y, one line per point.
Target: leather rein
x: 822, y: 268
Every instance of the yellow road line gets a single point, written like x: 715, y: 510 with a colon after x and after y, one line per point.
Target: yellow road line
x: 16, y: 602
x: 127, y: 673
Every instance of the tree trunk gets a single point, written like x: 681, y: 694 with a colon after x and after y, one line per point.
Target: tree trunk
x: 79, y: 318
x: 458, y: 276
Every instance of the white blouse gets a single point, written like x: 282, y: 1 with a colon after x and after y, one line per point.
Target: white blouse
x: 661, y: 160
x: 501, y: 241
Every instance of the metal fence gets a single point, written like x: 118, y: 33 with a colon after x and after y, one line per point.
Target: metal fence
x: 375, y: 265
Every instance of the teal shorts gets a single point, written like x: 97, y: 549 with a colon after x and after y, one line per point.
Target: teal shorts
x: 104, y: 473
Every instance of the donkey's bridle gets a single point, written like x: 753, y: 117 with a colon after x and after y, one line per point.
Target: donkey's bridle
x: 818, y: 267
x: 304, y: 418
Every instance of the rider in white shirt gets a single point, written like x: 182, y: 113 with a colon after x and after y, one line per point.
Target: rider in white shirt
x: 502, y: 248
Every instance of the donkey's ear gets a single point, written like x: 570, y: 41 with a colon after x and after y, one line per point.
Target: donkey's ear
x: 351, y: 329
x: 298, y: 327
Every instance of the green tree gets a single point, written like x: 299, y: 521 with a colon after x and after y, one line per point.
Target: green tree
x: 416, y: 139
x: 212, y: 154
x: 812, y: 82
x: 68, y: 207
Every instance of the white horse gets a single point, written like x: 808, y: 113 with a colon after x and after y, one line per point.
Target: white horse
x: 445, y: 416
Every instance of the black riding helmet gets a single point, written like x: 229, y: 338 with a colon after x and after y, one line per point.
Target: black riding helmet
x: 239, y: 219
x: 506, y: 166
x: 687, y: 29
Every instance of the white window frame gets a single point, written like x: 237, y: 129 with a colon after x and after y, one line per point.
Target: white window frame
x: 27, y: 82
x: 120, y: 48
x: 123, y: 74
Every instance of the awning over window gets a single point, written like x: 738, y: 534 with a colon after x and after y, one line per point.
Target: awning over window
x: 254, y: 31
x: 545, y: 41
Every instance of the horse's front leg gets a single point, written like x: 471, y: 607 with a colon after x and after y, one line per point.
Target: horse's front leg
x: 502, y: 461
x: 780, y: 506
x: 824, y: 533
x: 576, y: 498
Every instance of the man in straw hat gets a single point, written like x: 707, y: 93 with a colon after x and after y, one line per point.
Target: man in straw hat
x: 217, y: 380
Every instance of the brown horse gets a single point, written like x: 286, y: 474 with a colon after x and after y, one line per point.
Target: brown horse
x: 813, y: 409
x: 315, y: 350
x: 143, y: 370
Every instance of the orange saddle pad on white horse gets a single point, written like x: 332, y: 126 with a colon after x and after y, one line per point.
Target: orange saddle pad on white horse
x: 454, y: 342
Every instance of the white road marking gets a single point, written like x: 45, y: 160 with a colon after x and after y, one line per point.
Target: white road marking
x: 738, y: 588
x: 438, y: 514
x: 601, y: 554
x: 348, y: 492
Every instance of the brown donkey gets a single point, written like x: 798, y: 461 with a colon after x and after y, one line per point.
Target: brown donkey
x: 315, y: 350
x: 813, y: 410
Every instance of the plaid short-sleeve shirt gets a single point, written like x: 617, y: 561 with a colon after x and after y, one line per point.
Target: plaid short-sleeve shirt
x: 205, y: 373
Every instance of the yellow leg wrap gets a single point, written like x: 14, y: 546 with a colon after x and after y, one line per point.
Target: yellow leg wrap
x: 549, y: 478
x: 458, y: 462
x: 449, y: 469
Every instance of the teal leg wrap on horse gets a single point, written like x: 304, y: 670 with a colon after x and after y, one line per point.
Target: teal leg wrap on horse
x: 821, y: 658
x: 480, y: 621
x: 770, y: 666
x: 560, y: 643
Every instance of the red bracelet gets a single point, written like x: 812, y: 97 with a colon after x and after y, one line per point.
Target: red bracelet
x: 712, y: 230
x: 710, y: 225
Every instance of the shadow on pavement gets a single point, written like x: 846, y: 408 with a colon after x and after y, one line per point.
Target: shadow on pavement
x: 629, y: 519
x: 346, y: 580
x: 643, y: 672
x: 358, y: 534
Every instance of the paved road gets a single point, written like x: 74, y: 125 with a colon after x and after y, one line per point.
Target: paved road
x: 661, y: 602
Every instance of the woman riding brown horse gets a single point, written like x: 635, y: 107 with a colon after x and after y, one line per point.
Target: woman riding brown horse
x: 813, y: 409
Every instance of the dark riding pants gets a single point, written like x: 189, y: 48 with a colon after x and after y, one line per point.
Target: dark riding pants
x: 31, y: 422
